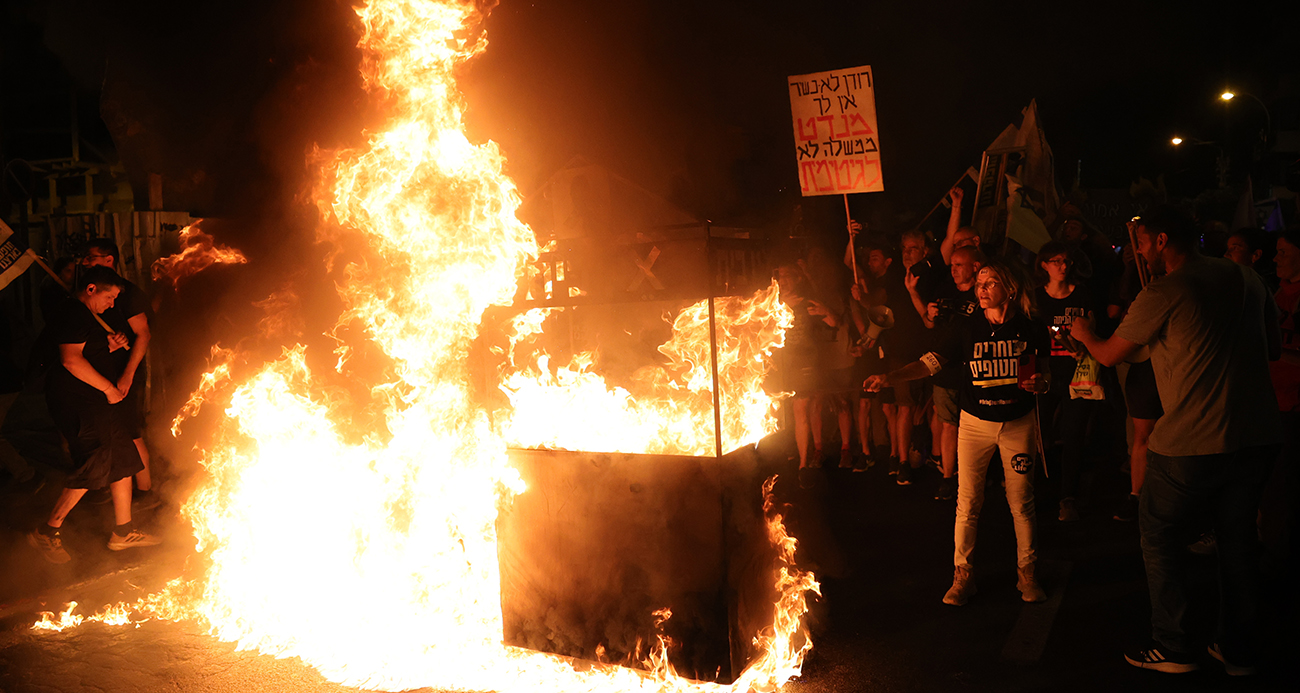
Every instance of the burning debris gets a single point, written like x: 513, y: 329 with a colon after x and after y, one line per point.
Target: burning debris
x: 198, y: 252
x: 391, y: 578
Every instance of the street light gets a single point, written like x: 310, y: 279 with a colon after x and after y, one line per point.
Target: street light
x: 1228, y: 96
x: 1220, y: 162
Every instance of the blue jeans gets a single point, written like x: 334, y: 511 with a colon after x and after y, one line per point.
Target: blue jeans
x: 1227, y: 489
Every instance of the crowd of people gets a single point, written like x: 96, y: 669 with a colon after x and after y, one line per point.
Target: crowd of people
x: 85, y: 377
x: 1181, y: 368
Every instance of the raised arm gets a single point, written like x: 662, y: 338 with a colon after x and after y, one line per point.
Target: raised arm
x: 954, y: 223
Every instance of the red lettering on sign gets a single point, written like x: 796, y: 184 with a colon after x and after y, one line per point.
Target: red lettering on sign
x: 866, y: 129
x: 799, y: 122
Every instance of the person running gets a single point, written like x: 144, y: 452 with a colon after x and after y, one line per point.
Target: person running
x: 1212, y: 328
x: 86, y: 405
x: 997, y: 399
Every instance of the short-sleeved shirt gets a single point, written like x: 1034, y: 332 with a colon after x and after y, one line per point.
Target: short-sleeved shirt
x: 905, y: 341
x: 989, y: 358
x: 1059, y: 313
x: 77, y: 325
x: 1205, y: 324
x: 131, y: 302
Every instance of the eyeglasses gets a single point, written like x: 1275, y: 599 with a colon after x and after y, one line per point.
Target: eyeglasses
x: 1056, y: 261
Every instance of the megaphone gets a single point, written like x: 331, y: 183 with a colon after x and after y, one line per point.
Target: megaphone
x: 879, y: 318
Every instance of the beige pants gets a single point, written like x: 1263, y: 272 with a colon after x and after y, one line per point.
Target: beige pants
x: 1017, y: 443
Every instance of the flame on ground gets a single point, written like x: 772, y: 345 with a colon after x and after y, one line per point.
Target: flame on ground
x: 371, y: 554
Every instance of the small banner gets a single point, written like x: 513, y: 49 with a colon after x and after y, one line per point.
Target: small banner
x: 13, y: 260
x: 835, y: 136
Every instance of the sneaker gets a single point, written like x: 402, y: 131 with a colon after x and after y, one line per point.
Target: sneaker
x: 947, y: 488
x: 963, y: 587
x: 1205, y: 546
x: 1128, y: 512
x: 863, y: 463
x: 815, y: 459
x: 1156, y: 657
x: 1228, y: 667
x: 904, y: 475
x: 135, y: 538
x: 846, y: 459
x: 1028, y: 585
x: 807, y: 477
x: 50, y: 546
x: 932, y: 461
x: 1068, y: 512
x: 893, y: 465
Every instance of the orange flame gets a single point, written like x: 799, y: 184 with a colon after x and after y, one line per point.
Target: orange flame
x: 198, y: 252
x: 668, y: 409
x: 371, y: 554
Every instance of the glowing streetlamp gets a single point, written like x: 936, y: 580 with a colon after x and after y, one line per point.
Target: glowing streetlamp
x: 1177, y: 141
x: 1227, y: 96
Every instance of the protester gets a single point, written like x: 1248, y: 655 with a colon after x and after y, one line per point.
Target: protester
x: 86, y: 405
x: 129, y: 317
x: 1061, y: 298
x: 997, y: 402
x: 957, y: 236
x: 1212, y: 328
x: 1141, y: 399
x: 902, y: 344
x: 951, y: 302
x: 1280, y: 519
x: 1250, y: 247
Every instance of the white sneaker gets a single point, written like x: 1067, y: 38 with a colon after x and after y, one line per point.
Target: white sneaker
x: 135, y: 538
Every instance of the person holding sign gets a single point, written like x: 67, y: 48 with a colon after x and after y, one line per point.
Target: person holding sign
x: 1000, y: 352
x: 85, y: 403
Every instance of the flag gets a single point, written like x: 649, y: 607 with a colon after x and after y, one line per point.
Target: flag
x: 13, y: 260
x: 1023, y: 224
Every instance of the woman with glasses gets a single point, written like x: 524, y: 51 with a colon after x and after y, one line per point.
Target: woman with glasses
x: 1000, y: 352
x: 1060, y: 298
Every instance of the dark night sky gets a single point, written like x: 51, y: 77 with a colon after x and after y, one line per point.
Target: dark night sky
x: 687, y: 98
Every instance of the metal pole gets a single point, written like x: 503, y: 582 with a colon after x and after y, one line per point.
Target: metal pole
x: 853, y: 252
x: 713, y: 346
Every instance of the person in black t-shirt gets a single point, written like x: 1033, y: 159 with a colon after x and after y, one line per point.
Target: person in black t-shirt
x: 86, y: 406
x: 990, y: 349
x: 128, y: 316
x: 1062, y: 298
x: 951, y: 302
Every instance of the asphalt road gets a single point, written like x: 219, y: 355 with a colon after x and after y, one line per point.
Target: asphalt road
x: 883, y: 554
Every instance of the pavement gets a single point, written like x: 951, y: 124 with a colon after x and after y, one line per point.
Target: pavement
x: 882, y: 552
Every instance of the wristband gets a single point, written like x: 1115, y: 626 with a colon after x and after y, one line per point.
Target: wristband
x: 931, y: 362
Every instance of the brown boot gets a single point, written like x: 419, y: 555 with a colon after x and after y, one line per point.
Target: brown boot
x: 962, y: 587
x: 1028, y: 585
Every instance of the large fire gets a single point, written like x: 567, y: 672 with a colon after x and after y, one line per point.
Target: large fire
x: 372, y: 555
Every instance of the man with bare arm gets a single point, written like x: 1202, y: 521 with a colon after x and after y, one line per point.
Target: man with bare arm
x: 1212, y: 328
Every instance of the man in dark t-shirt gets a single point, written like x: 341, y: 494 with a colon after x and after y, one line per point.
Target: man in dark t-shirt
x: 129, y: 316
x: 86, y: 406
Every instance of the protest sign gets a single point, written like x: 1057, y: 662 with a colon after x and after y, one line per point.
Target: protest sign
x: 13, y: 259
x: 835, y: 136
